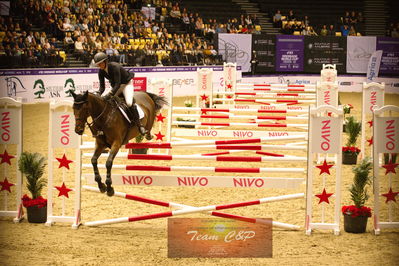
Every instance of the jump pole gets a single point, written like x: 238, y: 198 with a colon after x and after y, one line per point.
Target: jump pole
x: 194, y: 210
x: 213, y: 158
x: 183, y: 206
x: 201, y: 168
x: 258, y: 110
x: 219, y: 147
x: 170, y: 145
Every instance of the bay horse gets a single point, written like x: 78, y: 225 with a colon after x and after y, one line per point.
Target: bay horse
x: 110, y: 128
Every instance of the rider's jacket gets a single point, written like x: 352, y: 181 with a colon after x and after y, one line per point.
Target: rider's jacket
x: 116, y: 75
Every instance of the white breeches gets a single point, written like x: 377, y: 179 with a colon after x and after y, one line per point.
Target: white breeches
x: 128, y: 92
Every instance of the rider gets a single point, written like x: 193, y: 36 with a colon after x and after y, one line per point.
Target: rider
x: 121, y: 82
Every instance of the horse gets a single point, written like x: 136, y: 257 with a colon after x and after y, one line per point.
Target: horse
x: 110, y: 128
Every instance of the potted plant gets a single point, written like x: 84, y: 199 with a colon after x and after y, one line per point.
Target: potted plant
x: 139, y: 138
x: 347, y: 110
x: 32, y: 166
x: 350, y: 152
x: 187, y: 103
x: 355, y: 216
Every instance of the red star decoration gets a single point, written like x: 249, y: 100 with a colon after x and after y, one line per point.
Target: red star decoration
x: 229, y: 96
x: 203, y: 112
x: 5, y: 157
x: 390, y: 167
x: 5, y: 185
x: 160, y: 118
x: 370, y: 141
x: 370, y: 123
x: 324, y: 196
x: 63, y: 190
x: 325, y: 168
x: 390, y: 195
x: 204, y: 97
x: 229, y: 86
x: 159, y: 136
x: 64, y: 162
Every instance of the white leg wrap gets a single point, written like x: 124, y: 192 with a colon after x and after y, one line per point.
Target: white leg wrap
x: 128, y: 92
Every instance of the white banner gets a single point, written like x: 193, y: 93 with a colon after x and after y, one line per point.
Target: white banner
x: 42, y: 85
x: 325, y: 135
x: 9, y: 129
x: 388, y: 135
x: 359, y: 51
x: 63, y: 131
x: 236, y: 48
x: 374, y: 65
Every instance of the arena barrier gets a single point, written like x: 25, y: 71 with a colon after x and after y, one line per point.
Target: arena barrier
x: 62, y: 139
x: 372, y: 97
x: 385, y: 133
x: 11, y: 150
x: 182, y: 206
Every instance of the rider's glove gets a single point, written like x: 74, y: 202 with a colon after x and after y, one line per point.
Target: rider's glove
x: 108, y: 96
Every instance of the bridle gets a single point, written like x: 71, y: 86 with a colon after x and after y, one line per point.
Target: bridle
x: 92, y: 125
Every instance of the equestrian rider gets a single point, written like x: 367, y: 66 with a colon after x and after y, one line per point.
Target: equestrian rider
x: 121, y: 82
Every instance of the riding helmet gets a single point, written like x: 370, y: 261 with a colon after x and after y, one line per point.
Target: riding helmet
x: 100, y: 57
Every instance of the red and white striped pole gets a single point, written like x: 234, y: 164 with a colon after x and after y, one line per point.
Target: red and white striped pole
x: 228, y: 110
x: 169, y: 145
x: 194, y: 210
x: 201, y: 168
x: 216, y: 158
x: 182, y: 206
x: 155, y: 145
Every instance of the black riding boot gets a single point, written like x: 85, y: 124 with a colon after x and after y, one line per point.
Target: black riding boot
x: 136, y: 120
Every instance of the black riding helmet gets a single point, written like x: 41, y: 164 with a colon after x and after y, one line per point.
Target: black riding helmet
x: 100, y: 57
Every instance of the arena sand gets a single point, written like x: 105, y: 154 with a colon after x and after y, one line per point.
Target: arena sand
x: 145, y: 243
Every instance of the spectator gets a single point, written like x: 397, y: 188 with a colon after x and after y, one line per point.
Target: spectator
x: 277, y: 19
x: 345, y: 30
x: 324, y: 30
x: 352, y: 31
x: 331, y: 30
x: 291, y: 16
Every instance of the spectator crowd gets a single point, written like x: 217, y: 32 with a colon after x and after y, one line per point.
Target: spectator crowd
x: 56, y: 28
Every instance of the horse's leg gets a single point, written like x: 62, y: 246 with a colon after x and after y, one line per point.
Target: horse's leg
x: 112, y: 153
x: 97, y: 177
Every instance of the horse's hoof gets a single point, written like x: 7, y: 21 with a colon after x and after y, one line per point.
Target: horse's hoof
x: 110, y: 191
x: 102, y: 187
x: 148, y: 136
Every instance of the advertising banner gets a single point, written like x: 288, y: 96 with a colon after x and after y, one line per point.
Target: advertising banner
x: 264, y: 47
x: 359, y: 51
x: 373, y: 66
x: 236, y: 48
x: 390, y: 55
x: 42, y: 85
x: 325, y: 50
x: 289, y: 53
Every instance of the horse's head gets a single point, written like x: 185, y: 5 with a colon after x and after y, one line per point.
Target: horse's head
x: 80, y: 110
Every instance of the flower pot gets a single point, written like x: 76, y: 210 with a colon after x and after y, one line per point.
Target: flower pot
x: 36, y: 214
x: 139, y: 151
x: 355, y: 224
x: 349, y: 158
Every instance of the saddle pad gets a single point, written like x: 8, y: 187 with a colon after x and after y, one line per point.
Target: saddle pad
x: 139, y: 110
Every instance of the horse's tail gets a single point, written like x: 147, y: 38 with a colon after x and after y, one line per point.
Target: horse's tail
x: 159, y: 101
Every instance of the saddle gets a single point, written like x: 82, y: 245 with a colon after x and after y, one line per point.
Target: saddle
x: 129, y: 113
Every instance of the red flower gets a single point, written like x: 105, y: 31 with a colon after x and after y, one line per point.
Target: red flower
x: 350, y: 150
x: 39, y: 201
x: 354, y: 211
